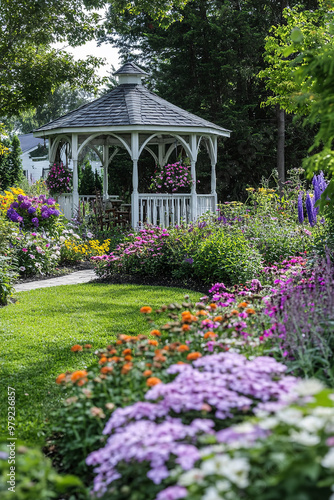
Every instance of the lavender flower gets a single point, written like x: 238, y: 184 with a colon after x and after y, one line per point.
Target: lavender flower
x: 300, y: 208
x: 172, y: 493
x: 310, y: 210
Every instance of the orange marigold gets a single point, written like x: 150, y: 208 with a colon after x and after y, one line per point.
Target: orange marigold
x: 153, y: 342
x: 159, y: 358
x: 243, y: 304
x: 194, y: 355
x: 218, y: 318
x: 153, y: 381
x: 126, y: 351
x: 147, y: 373
x: 234, y: 312
x: 126, y: 368
x: 146, y: 309
x: 115, y: 359
x: 185, y: 328
x: 186, y: 317
x: 201, y: 312
x: 119, y: 342
x: 61, y: 378
x: 102, y: 360
x: 76, y: 348
x: 113, y: 351
x: 209, y: 335
x: 213, y: 305
x: 183, y: 348
x: 88, y: 346
x: 128, y: 357
x: 80, y: 376
x: 181, y: 363
x: 156, y: 333
x: 250, y: 310
x: 106, y: 369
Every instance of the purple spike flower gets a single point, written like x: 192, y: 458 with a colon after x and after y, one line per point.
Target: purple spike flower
x: 300, y: 208
x: 312, y: 217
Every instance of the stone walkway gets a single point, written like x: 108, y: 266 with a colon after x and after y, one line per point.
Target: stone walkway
x: 69, y: 279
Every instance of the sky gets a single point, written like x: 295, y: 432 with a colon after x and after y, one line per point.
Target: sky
x: 91, y: 49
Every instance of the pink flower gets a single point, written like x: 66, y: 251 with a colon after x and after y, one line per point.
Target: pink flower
x: 24, y: 250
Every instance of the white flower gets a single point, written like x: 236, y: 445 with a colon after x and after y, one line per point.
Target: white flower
x: 243, y: 428
x: 62, y: 239
x: 268, y: 423
x: 290, y: 416
x: 309, y: 387
x: 323, y: 411
x: 22, y: 268
x: 328, y: 460
x: 223, y: 485
x: 237, y: 470
x: 311, y: 423
x: 304, y: 438
x: 190, y: 477
x: 215, y: 465
x: 211, y: 494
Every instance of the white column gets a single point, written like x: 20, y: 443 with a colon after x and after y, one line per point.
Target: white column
x: 161, y: 150
x: 105, y: 171
x: 213, y: 174
x: 75, y: 199
x: 193, y: 147
x: 134, y: 196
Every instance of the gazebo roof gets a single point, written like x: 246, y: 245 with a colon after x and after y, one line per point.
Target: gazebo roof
x: 129, y: 104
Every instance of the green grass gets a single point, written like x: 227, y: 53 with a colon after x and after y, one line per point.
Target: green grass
x: 38, y: 331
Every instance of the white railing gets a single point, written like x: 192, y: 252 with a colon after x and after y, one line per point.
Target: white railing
x: 164, y: 210
x: 205, y: 203
x: 65, y: 204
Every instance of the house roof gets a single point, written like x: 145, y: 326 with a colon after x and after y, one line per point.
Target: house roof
x: 28, y: 142
x: 129, y: 104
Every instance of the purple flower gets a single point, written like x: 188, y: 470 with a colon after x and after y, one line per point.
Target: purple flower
x: 310, y: 210
x: 35, y: 221
x: 300, y: 208
x: 172, y: 493
x: 31, y: 210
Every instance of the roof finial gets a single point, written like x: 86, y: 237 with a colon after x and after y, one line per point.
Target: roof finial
x: 130, y: 73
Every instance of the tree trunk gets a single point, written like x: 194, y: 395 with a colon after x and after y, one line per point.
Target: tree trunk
x: 280, y: 147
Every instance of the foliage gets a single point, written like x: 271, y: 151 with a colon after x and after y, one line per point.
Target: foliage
x: 171, y: 178
x: 30, y: 69
x: 302, y: 30
x: 208, y: 42
x: 36, y: 189
x: 89, y: 181
x: 34, y: 476
x: 7, y: 277
x: 59, y: 179
x: 11, y: 164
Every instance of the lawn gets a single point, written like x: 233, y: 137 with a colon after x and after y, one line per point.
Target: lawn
x: 38, y: 331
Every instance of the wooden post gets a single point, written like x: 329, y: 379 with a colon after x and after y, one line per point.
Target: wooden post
x: 105, y: 171
x: 193, y: 147
x: 134, y: 196
x: 213, y: 175
x: 75, y: 198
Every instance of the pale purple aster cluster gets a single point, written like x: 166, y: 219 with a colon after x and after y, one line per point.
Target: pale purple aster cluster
x: 146, y: 441
x: 172, y: 493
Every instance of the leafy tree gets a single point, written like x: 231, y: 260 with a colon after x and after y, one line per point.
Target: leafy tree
x: 208, y: 64
x: 10, y: 164
x: 30, y: 69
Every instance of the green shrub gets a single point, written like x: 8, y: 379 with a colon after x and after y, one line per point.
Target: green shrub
x: 7, y: 277
x: 34, y: 477
x: 226, y: 257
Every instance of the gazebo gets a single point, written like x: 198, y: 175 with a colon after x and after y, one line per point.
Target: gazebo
x: 133, y: 118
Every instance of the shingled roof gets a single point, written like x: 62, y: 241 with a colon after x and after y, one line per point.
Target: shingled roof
x: 129, y: 104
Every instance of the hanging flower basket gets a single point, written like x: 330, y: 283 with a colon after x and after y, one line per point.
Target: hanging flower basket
x: 172, y: 178
x: 59, y: 179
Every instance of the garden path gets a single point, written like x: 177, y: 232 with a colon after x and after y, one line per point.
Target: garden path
x: 69, y: 279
